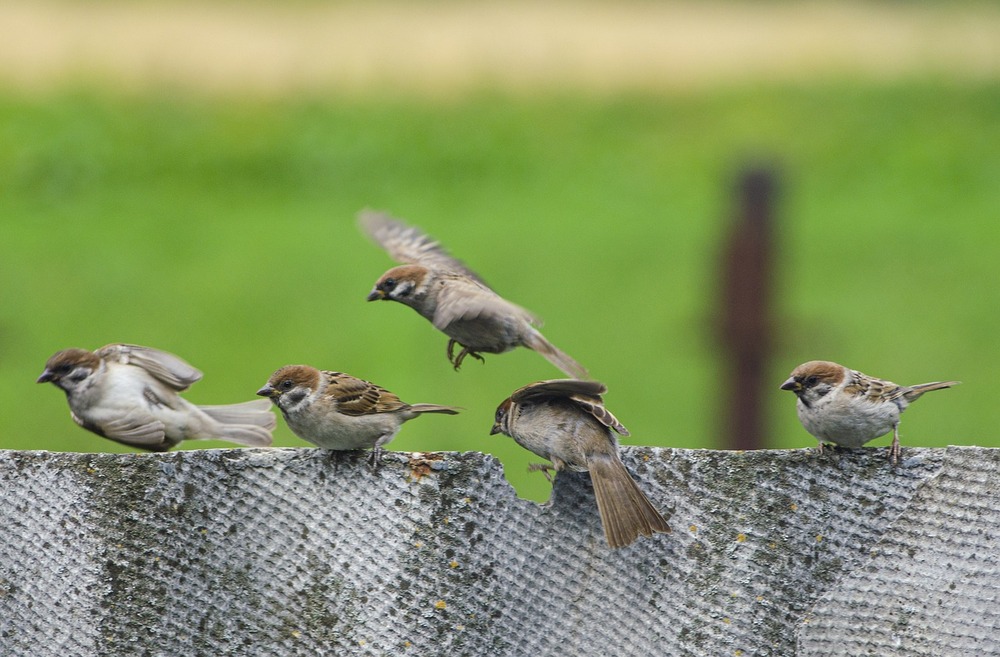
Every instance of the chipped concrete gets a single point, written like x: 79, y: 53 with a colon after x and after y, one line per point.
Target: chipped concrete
x: 306, y: 552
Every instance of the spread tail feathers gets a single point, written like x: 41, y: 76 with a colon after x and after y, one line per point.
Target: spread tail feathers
x: 625, y: 510
x: 558, y: 358
x: 249, y: 423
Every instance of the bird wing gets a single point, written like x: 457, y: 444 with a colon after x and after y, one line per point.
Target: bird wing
x: 560, y: 388
x: 409, y: 245
x: 585, y: 394
x: 134, y: 428
x: 166, y: 367
x: 874, y: 390
x: 461, y: 298
x: 356, y: 396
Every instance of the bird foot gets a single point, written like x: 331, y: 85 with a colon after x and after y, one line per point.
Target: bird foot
x: 456, y: 361
x: 375, y: 458
x: 895, y: 451
x: 544, y: 468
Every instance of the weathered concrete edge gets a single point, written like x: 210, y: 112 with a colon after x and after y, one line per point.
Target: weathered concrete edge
x: 920, y: 466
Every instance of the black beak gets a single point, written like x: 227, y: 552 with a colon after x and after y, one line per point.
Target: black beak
x: 376, y: 295
x: 495, y: 430
x: 791, y: 384
x: 46, y: 376
x: 266, y: 391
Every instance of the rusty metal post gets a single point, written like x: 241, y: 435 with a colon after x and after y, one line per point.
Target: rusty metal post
x: 745, y: 328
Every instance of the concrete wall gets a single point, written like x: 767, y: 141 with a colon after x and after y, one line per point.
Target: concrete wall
x: 305, y: 552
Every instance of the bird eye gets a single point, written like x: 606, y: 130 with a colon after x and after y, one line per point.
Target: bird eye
x: 287, y: 384
x: 811, y: 380
x: 389, y: 283
x: 64, y: 369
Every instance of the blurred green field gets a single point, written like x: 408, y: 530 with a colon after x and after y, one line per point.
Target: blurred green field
x: 223, y: 230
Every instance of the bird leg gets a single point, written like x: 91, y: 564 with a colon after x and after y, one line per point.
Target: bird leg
x: 894, y: 448
x: 375, y: 458
x: 456, y: 361
x: 544, y: 468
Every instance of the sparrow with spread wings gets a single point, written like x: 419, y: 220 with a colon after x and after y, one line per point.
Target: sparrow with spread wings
x: 454, y: 298
x: 565, y: 421
x: 128, y: 394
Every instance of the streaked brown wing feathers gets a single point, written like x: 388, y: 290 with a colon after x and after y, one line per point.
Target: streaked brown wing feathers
x: 872, y: 389
x: 356, y: 396
x: 585, y: 394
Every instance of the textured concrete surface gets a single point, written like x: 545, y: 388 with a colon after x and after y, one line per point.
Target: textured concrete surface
x: 304, y: 552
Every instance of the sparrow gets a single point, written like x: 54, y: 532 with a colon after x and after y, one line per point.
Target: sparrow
x: 564, y: 421
x: 843, y: 406
x: 337, y: 411
x: 128, y: 394
x: 454, y: 298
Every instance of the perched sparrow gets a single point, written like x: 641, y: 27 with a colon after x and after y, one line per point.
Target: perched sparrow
x: 565, y: 421
x: 454, y: 298
x: 128, y: 394
x: 848, y: 408
x: 338, y: 411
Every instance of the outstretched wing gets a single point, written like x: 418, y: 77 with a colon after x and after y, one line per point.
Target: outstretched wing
x: 409, y: 245
x: 168, y: 368
x: 585, y: 394
x: 463, y: 299
x: 136, y: 428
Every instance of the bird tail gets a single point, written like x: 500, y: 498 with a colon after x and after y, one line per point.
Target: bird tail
x: 625, y: 510
x: 434, y: 408
x: 249, y: 423
x: 916, y: 391
x: 558, y: 358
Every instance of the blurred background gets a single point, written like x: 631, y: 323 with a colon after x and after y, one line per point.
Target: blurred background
x: 696, y: 197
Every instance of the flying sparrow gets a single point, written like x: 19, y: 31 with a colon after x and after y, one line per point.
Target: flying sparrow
x: 564, y: 420
x: 338, y: 411
x: 128, y: 394
x: 848, y: 408
x: 454, y: 298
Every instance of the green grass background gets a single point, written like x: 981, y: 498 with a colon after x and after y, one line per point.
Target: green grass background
x: 222, y: 229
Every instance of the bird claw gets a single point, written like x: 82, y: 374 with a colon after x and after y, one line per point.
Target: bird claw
x: 456, y: 361
x: 544, y: 468
x: 895, y: 451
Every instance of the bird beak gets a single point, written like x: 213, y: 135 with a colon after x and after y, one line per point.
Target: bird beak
x: 46, y: 376
x: 791, y: 384
x: 376, y: 295
x: 496, y: 429
x: 266, y: 391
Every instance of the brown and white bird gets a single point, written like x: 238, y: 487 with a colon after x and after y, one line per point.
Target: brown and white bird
x: 564, y: 420
x: 337, y: 411
x: 454, y: 298
x: 128, y: 394
x: 845, y: 407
